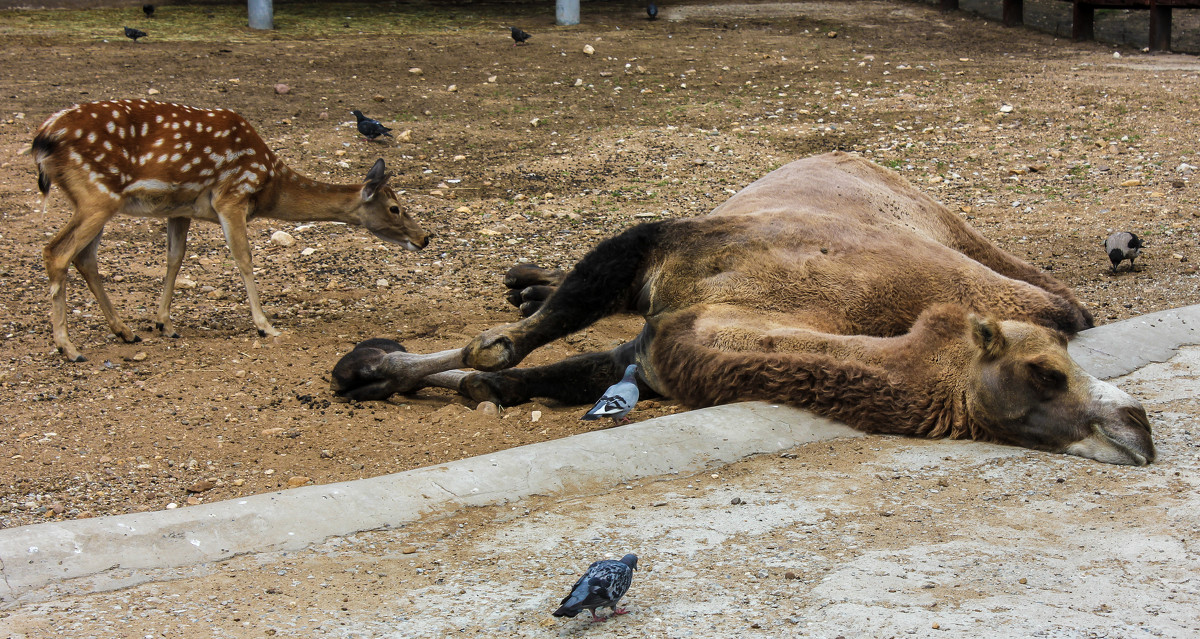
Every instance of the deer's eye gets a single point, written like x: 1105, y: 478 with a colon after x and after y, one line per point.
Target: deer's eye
x: 395, y: 210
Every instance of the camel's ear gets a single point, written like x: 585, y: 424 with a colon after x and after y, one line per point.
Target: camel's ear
x: 987, y: 336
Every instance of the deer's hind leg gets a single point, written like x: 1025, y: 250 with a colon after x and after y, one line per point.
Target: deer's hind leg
x: 76, y: 243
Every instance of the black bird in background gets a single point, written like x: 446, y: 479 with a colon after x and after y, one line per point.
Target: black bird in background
x: 148, y: 9
x: 370, y: 129
x: 652, y: 11
x: 518, y: 36
x: 134, y: 34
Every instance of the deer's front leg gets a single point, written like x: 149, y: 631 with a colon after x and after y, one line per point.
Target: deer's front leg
x: 177, y: 230
x: 233, y: 224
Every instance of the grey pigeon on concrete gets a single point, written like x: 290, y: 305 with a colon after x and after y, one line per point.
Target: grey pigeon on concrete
x: 652, y: 11
x: 134, y: 34
x: 1122, y: 246
x: 602, y: 586
x: 618, y: 400
x: 370, y: 129
x: 518, y: 36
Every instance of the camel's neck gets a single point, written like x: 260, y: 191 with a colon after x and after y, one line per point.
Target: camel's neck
x: 908, y: 385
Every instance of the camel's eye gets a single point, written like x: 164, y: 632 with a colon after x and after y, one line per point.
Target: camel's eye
x: 1046, y: 377
x: 395, y: 210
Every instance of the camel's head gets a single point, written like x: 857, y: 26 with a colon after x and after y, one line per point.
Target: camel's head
x: 1029, y: 392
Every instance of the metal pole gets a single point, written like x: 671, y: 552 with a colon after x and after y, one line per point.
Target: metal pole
x: 566, y: 12
x: 262, y: 14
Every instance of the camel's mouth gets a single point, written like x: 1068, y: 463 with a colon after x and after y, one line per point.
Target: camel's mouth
x: 1104, y: 445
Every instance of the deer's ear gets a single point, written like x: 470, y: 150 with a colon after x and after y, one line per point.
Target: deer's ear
x: 376, y: 178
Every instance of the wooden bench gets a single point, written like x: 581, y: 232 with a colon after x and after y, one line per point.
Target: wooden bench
x: 1083, y: 16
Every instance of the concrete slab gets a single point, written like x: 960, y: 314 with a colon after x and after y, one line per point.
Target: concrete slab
x: 42, y: 554
x: 54, y: 561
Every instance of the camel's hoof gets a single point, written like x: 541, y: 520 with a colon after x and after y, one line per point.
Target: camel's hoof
x: 356, y: 376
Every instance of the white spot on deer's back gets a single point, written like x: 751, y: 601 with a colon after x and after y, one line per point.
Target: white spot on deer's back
x: 116, y: 113
x: 75, y: 157
x: 100, y: 158
x: 175, y: 158
x: 108, y: 146
x: 91, y: 137
x: 121, y: 133
x: 159, y: 142
x: 145, y: 128
x: 187, y: 146
x: 79, y: 132
x: 199, y: 127
x: 206, y: 172
x: 158, y: 119
x: 111, y: 127
x: 162, y: 158
x: 187, y: 123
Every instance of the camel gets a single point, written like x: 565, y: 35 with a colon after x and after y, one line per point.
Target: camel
x: 830, y: 284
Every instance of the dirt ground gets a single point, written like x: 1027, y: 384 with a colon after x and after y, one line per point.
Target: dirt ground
x: 514, y: 154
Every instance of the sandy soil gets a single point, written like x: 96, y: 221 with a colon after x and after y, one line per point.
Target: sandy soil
x: 516, y: 154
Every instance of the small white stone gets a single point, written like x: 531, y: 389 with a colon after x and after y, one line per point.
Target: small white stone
x: 381, y: 283
x: 589, y: 49
x: 308, y: 251
x: 282, y: 238
x: 153, y: 92
x: 535, y: 415
x: 1007, y: 108
x: 416, y: 71
x: 578, y: 82
x: 453, y: 88
x: 535, y: 122
x: 492, y: 79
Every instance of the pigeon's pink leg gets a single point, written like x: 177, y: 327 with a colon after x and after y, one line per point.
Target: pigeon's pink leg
x: 596, y: 619
x: 620, y: 611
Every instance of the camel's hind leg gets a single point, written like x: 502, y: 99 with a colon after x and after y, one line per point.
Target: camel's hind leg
x: 605, y: 281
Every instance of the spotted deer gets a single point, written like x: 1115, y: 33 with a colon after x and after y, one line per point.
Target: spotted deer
x: 154, y: 159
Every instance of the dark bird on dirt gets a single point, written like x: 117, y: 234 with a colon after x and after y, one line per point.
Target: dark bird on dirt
x: 518, y: 36
x: 148, y: 9
x: 1122, y: 246
x: 370, y: 129
x: 134, y: 34
x: 618, y: 400
x: 602, y: 586
x: 652, y: 11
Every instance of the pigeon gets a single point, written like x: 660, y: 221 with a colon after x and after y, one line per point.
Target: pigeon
x: 148, y: 9
x: 134, y: 34
x: 618, y: 400
x: 652, y: 11
x: 518, y: 36
x: 370, y: 129
x: 1123, y: 246
x: 602, y: 586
